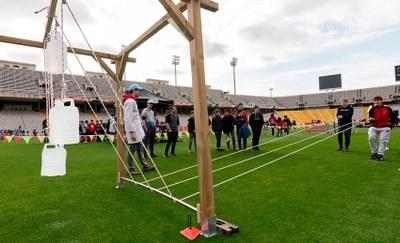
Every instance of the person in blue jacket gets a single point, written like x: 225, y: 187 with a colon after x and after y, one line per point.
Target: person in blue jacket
x: 344, y: 116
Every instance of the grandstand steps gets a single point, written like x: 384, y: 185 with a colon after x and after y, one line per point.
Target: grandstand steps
x: 306, y: 116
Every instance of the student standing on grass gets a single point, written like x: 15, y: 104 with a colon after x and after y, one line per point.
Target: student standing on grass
x: 344, y: 115
x: 382, y: 120
x: 256, y: 121
x: 192, y: 131
x: 279, y: 127
x: 228, y: 127
x: 133, y: 128
x: 241, y: 129
x: 272, y: 122
x: 286, y: 124
x: 172, y: 123
x: 216, y: 126
x: 149, y: 121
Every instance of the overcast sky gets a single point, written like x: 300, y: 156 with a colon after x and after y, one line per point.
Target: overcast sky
x: 285, y: 45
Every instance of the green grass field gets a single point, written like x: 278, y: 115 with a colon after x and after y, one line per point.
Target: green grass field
x: 317, y: 194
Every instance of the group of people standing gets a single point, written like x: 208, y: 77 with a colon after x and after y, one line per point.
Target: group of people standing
x: 225, y: 123
x: 381, y: 118
x: 142, y: 127
x: 281, y: 125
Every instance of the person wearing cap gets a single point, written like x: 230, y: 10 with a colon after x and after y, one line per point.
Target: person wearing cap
x: 382, y: 120
x: 133, y: 129
x: 149, y: 121
x: 172, y: 123
x: 344, y: 116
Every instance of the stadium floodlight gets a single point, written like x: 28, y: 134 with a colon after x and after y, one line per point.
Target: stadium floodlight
x: 175, y: 61
x: 270, y: 91
x: 233, y: 64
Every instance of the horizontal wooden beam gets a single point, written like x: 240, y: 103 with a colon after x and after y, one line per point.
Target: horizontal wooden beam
x: 39, y: 44
x: 159, y: 25
x: 207, y: 4
x: 182, y: 24
x: 107, y: 69
x: 162, y: 22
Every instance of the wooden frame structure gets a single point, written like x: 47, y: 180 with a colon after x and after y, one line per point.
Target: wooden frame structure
x: 191, y: 29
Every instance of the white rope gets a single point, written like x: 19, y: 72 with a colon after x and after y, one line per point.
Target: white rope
x: 261, y: 144
x: 163, y: 193
x: 248, y: 159
x: 121, y: 135
x: 221, y: 157
x: 142, y: 143
x: 112, y: 144
x: 225, y: 156
x: 271, y: 162
x: 91, y: 108
x: 112, y: 88
x: 234, y: 153
x: 48, y: 81
x: 63, y: 83
x: 95, y: 89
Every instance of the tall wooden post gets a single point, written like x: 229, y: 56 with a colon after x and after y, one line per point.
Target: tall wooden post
x: 120, y: 138
x: 207, y: 206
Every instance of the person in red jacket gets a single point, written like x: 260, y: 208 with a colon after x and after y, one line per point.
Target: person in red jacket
x: 244, y: 113
x: 91, y: 128
x: 272, y: 123
x: 382, y: 120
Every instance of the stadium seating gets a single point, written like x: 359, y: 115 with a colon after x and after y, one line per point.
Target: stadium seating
x: 28, y: 85
x: 27, y: 119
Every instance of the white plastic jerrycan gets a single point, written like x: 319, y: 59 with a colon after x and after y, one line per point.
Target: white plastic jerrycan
x: 64, y: 122
x: 56, y: 53
x: 54, y: 159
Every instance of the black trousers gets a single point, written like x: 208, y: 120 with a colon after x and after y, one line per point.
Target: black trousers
x: 346, y: 129
x: 256, y: 137
x: 172, y: 138
x: 218, y: 139
x: 149, y: 140
x: 272, y: 130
